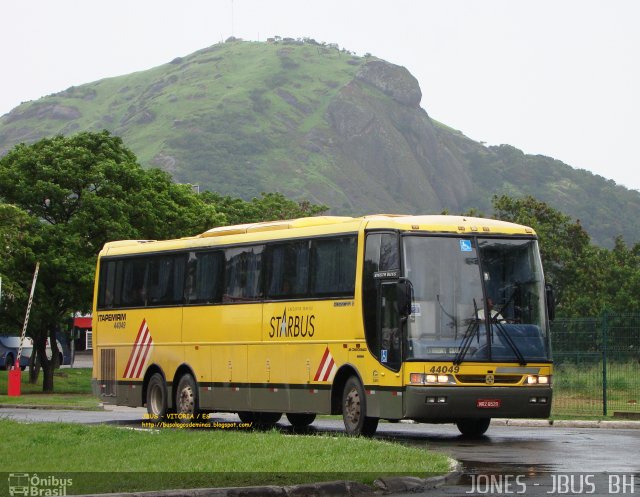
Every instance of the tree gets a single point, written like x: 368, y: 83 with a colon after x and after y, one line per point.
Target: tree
x: 588, y: 280
x: 77, y: 193
x: 564, y: 244
x: 269, y: 207
x: 18, y: 235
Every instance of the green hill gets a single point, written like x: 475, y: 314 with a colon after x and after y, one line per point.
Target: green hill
x: 314, y: 123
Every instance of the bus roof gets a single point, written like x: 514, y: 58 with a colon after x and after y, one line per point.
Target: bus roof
x: 319, y: 225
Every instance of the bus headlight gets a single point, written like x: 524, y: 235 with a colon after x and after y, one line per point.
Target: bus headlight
x: 430, y: 379
x: 537, y: 380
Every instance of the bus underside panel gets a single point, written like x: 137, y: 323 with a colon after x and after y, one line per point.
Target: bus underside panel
x: 265, y: 398
x: 445, y: 404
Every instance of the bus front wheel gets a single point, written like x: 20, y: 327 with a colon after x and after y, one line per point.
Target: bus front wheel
x: 156, y: 397
x: 187, y: 399
x: 354, y: 409
x: 473, y: 427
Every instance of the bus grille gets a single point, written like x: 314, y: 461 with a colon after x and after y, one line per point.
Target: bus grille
x: 108, y: 372
x: 497, y: 379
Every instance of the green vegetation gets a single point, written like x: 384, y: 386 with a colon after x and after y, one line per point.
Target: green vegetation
x: 209, y: 457
x: 588, y: 280
x: 241, y: 118
x: 73, y: 389
x: 62, y: 199
x: 577, y: 389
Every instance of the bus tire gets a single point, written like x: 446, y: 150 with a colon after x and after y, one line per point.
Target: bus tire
x: 187, y: 406
x: 8, y: 362
x: 246, y: 416
x: 266, y: 420
x: 473, y: 427
x: 157, y: 404
x: 300, y: 421
x: 354, y: 408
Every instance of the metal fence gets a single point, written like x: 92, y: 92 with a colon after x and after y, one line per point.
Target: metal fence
x: 597, y: 365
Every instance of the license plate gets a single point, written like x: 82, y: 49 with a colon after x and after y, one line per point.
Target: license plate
x: 488, y: 403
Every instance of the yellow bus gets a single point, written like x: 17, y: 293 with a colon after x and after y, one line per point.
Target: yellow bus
x: 439, y: 319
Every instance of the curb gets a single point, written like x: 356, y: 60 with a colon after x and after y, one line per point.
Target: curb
x: 50, y: 407
x: 343, y: 488
x: 561, y: 423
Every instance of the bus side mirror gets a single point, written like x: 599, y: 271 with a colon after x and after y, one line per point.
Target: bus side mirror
x: 551, y: 301
x: 405, y: 297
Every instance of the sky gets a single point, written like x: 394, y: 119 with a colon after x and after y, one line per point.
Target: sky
x: 559, y: 78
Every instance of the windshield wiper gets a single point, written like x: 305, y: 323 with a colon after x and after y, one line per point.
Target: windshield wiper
x: 507, y: 338
x: 471, y: 330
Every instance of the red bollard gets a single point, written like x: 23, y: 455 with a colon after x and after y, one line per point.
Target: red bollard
x: 15, y: 377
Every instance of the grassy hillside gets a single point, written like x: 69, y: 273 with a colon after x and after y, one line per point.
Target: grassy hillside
x: 315, y: 123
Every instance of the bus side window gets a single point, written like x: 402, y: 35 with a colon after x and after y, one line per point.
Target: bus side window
x: 107, y: 284
x: 205, y: 277
x: 165, y: 277
x: 333, y: 267
x: 133, y: 289
x: 287, y: 270
x: 243, y: 274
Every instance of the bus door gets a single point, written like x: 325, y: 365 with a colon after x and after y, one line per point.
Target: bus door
x: 390, y: 325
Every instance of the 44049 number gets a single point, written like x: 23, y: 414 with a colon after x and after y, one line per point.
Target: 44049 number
x: 445, y: 369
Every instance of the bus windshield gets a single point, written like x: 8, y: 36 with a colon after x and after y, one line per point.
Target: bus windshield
x: 475, y: 299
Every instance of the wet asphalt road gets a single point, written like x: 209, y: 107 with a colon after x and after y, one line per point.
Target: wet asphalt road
x: 508, y: 460
x: 538, y: 461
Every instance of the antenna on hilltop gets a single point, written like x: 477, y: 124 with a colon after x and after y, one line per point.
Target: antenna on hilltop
x: 232, y: 31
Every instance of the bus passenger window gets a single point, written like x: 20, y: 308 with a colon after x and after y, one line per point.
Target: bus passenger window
x: 333, y: 267
x: 165, y: 276
x: 288, y: 270
x: 106, y: 285
x: 133, y: 290
x: 205, y: 277
x: 243, y: 268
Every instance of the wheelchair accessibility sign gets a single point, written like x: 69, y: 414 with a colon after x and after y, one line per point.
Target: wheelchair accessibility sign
x: 465, y: 246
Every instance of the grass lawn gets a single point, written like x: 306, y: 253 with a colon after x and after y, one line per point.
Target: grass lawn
x: 577, y: 389
x: 72, y: 388
x: 203, y: 458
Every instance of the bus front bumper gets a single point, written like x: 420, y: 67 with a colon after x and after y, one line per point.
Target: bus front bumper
x: 447, y: 404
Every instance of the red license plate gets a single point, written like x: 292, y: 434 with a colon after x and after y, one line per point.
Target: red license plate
x: 488, y: 403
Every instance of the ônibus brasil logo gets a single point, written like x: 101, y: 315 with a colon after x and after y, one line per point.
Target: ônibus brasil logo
x: 37, y: 486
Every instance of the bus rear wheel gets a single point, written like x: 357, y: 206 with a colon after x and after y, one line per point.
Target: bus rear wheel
x: 246, y: 416
x: 260, y: 420
x: 266, y: 420
x: 354, y: 409
x: 473, y: 427
x: 156, y: 397
x: 300, y: 420
x: 187, y: 399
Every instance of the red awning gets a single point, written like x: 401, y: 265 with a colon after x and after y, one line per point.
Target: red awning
x: 82, y: 322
